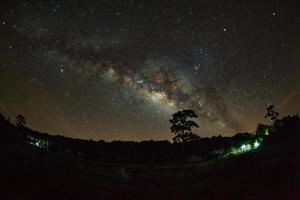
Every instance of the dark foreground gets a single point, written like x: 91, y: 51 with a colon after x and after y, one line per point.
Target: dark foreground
x: 269, y: 173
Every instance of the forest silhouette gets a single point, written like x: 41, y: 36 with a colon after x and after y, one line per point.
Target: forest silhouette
x: 186, y: 146
x: 260, y: 165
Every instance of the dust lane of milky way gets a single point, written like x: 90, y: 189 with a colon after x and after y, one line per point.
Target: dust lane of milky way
x: 119, y: 69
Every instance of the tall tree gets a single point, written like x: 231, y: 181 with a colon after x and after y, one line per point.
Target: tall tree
x: 271, y: 113
x: 182, y: 125
x: 2, y: 118
x: 21, y: 122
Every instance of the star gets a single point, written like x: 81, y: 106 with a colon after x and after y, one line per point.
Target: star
x: 128, y: 66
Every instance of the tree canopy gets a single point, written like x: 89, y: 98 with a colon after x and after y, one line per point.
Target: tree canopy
x: 182, y: 125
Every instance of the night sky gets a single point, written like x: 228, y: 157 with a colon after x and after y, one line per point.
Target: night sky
x: 118, y: 70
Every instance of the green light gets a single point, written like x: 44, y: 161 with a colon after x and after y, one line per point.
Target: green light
x: 235, y: 151
x: 245, y: 147
x: 266, y: 131
x: 248, y: 147
x: 37, y: 144
x: 256, y: 144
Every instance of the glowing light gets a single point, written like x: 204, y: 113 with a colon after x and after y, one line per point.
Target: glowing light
x: 37, y: 142
x: 266, y: 131
x: 256, y: 144
x: 245, y: 147
x: 235, y: 151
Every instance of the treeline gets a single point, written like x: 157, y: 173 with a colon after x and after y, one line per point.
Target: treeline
x: 145, y: 151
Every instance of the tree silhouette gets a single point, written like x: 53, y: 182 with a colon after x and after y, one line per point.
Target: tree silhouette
x: 21, y: 122
x: 262, y: 129
x: 271, y: 113
x: 182, y: 125
x: 2, y: 118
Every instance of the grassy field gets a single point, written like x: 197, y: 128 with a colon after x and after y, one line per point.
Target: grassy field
x: 268, y: 173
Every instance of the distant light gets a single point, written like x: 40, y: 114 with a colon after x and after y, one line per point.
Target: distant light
x: 248, y: 147
x: 243, y: 147
x: 256, y: 144
x: 235, y: 151
x: 266, y: 131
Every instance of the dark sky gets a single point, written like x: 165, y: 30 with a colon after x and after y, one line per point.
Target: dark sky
x: 119, y: 69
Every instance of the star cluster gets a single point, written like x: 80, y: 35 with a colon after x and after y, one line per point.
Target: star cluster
x: 119, y: 69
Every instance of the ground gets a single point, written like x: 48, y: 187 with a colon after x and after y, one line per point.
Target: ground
x: 271, y: 172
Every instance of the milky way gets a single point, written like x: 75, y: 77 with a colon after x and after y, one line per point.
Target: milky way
x: 118, y: 70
